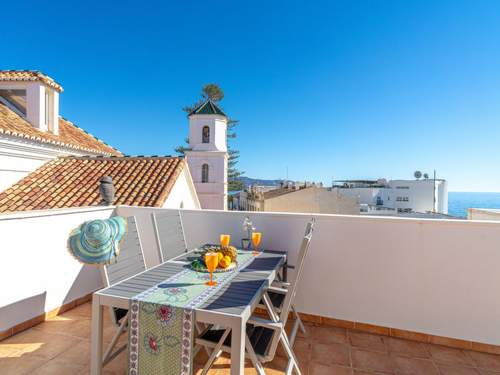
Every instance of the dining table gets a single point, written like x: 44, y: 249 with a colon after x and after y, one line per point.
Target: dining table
x: 230, y: 306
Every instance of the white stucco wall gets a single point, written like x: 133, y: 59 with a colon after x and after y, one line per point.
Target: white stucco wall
x: 420, y: 194
x: 313, y: 200
x: 483, y: 214
x: 218, y: 127
x: 212, y: 194
x: 38, y: 273
x: 183, y: 193
x: 19, y: 157
x: 431, y: 276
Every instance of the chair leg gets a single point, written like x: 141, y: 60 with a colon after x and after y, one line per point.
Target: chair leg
x: 297, y: 316
x: 292, y: 361
x: 293, y: 334
x: 253, y: 357
x: 107, y: 355
x: 215, y: 352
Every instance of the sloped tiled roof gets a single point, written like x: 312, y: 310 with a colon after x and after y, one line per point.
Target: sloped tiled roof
x: 29, y: 75
x: 74, y: 182
x: 207, y: 108
x: 70, y: 135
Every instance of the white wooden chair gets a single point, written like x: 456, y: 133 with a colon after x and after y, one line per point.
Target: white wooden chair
x: 263, y: 335
x: 169, y: 234
x: 129, y: 262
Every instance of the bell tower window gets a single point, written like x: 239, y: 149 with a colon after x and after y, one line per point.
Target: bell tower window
x: 204, y: 173
x: 205, y: 135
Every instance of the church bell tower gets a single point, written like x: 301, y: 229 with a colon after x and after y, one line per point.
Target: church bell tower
x: 207, y: 158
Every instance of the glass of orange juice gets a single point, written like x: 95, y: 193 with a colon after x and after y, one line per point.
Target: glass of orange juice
x: 256, y: 238
x: 211, y: 260
x: 224, y: 240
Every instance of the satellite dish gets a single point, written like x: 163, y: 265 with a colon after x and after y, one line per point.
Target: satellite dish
x: 417, y: 175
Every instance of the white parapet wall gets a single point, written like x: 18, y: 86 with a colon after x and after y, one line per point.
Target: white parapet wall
x: 37, y: 272
x: 489, y: 214
x: 439, y: 277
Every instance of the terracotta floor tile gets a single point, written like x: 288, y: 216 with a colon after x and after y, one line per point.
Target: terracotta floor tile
x: 487, y: 372
x: 329, y: 335
x: 406, y: 348
x: 414, y: 366
x: 452, y: 370
x: 331, y: 354
x: 62, y: 346
x: 66, y: 326
x: 53, y: 367
x: 486, y: 361
x: 445, y: 355
x: 317, y: 369
x: 367, y: 341
x: 302, y: 349
x: 42, y: 344
x: 78, y: 354
x: 371, y: 361
x: 82, y: 311
x: 86, y: 371
x: 308, y: 326
x: 21, y: 366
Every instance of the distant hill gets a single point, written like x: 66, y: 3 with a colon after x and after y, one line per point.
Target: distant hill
x: 248, y: 181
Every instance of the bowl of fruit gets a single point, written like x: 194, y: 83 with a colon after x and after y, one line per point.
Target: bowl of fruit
x: 226, y: 259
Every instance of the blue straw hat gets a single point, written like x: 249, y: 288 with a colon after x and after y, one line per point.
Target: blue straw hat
x: 97, y: 241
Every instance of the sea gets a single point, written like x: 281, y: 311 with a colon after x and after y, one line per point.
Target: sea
x: 458, y: 202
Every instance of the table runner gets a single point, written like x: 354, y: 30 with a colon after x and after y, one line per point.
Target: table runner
x: 162, y: 320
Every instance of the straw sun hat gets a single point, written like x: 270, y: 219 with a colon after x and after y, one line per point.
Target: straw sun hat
x: 97, y: 241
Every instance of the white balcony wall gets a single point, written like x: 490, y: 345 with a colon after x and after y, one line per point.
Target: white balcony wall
x: 37, y: 272
x: 432, y: 276
x: 439, y: 277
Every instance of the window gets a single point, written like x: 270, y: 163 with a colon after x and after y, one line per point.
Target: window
x: 204, y: 173
x: 205, y: 135
x: 15, y: 98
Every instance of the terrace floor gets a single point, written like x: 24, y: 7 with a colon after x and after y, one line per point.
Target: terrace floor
x: 62, y: 346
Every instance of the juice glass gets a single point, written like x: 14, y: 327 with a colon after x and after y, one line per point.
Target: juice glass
x: 211, y: 260
x: 224, y: 240
x: 256, y: 238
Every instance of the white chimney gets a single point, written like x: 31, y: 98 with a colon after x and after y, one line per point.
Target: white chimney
x: 43, y: 107
x: 33, y: 96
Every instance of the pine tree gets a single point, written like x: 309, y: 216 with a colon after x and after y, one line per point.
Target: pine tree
x: 213, y: 92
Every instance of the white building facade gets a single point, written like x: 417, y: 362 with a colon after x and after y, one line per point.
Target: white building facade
x: 30, y: 127
x: 402, y: 196
x: 208, y: 157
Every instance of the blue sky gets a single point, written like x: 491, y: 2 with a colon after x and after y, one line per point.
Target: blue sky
x: 333, y: 89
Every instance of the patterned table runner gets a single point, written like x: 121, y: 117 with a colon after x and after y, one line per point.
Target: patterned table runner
x: 161, y: 328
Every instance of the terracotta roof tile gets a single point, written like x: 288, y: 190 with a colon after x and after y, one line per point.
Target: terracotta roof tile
x: 70, y: 135
x: 29, y: 75
x: 74, y: 182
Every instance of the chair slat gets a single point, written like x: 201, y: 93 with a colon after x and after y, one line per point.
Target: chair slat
x: 170, y: 234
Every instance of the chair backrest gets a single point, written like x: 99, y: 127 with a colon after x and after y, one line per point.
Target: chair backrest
x: 292, y: 289
x: 169, y: 234
x: 130, y: 260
